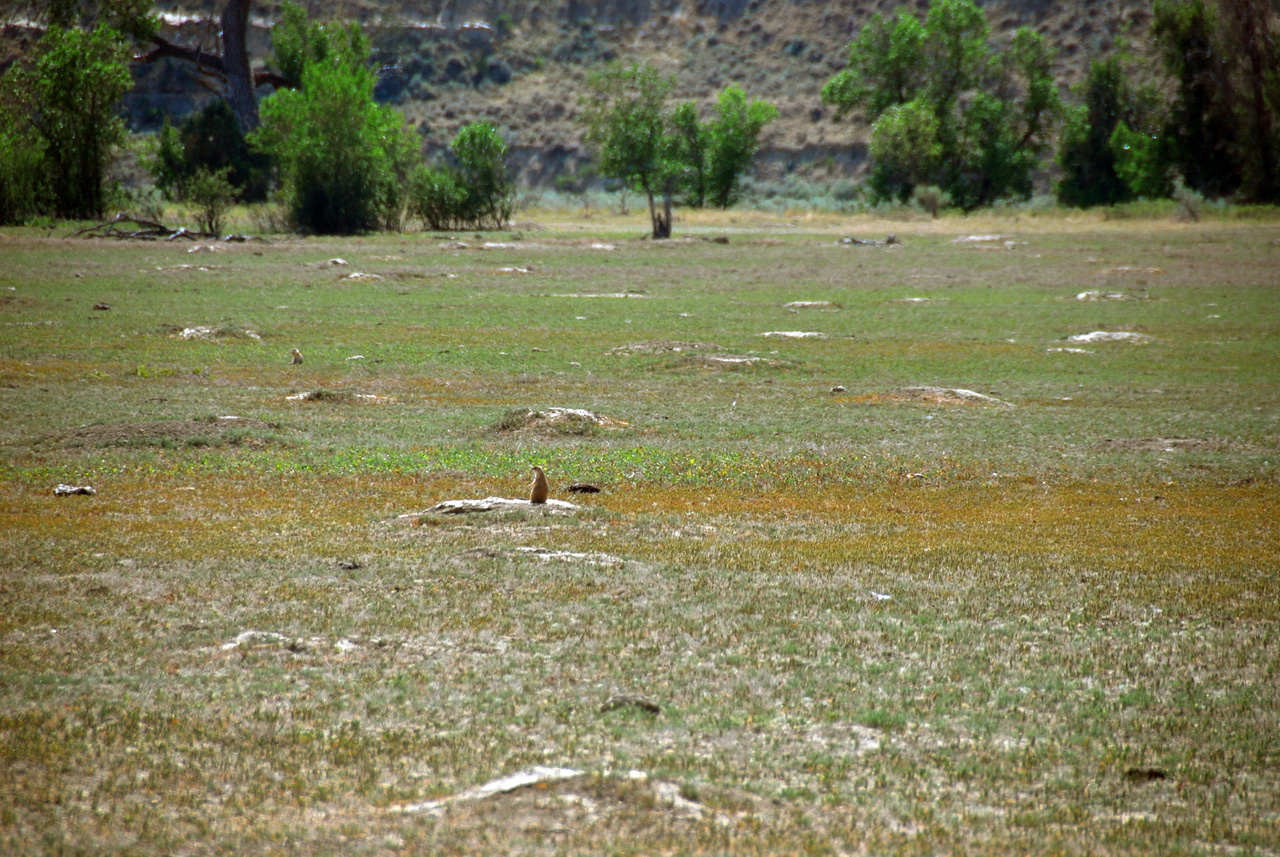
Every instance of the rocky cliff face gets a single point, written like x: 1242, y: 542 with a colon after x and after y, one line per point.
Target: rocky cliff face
x: 522, y: 65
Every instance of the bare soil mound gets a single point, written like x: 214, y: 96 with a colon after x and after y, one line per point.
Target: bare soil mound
x: 557, y: 421
x: 663, y: 346
x: 934, y: 396
x: 564, y: 798
x: 205, y: 431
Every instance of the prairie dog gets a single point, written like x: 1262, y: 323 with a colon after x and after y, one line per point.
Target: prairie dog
x: 297, y: 356
x: 539, y: 489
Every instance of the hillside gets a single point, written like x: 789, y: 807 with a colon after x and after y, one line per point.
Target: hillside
x: 522, y: 65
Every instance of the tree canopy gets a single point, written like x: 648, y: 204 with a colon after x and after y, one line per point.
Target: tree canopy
x: 343, y: 158
x: 946, y: 108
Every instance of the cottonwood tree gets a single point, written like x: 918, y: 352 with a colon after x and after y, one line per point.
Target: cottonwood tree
x: 343, y: 158
x: 1110, y: 150
x: 653, y: 149
x: 1224, y: 123
x: 946, y: 108
x: 230, y: 66
x: 62, y: 120
x: 625, y: 115
x: 713, y: 155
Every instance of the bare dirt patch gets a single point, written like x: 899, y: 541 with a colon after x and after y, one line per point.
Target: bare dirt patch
x: 1165, y: 444
x: 195, y: 432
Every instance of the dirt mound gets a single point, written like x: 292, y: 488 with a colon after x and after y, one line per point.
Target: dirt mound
x: 558, y: 420
x: 564, y: 798
x: 934, y: 396
x: 663, y: 346
x: 205, y: 431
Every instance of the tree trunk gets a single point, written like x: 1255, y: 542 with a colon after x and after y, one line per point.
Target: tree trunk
x: 661, y: 222
x: 235, y: 59
x: 232, y: 65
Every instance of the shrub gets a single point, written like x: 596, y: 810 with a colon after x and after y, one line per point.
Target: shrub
x: 476, y: 194
x: 211, y: 193
x: 482, y: 172
x: 436, y: 198
x: 1190, y: 201
x: 930, y: 198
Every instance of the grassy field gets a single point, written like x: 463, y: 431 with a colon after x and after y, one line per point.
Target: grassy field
x: 875, y: 612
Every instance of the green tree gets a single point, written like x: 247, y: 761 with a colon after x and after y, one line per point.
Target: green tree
x: 977, y: 121
x: 734, y: 136
x: 209, y: 139
x: 71, y: 96
x: 1142, y: 162
x: 688, y: 144
x: 343, y: 159
x: 1109, y: 149
x: 1251, y: 31
x: 886, y: 67
x: 1202, y: 127
x: 624, y: 111
x: 21, y: 190
x: 481, y: 154
x: 906, y: 150
x: 1223, y: 133
x: 132, y: 18
x: 297, y: 41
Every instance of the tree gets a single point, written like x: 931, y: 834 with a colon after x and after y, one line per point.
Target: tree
x: 641, y: 143
x: 71, y: 96
x: 343, y: 158
x: 734, y: 136
x: 1224, y: 125
x: 1202, y: 127
x: 1250, y: 31
x: 21, y: 190
x: 906, y: 150
x: 129, y: 17
x: 1110, y: 148
x: 627, y: 126
x: 886, y: 67
x: 976, y: 120
x: 209, y: 139
x: 231, y: 66
x: 689, y: 144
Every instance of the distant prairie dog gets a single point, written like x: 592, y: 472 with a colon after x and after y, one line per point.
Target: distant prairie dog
x: 297, y: 356
x: 539, y: 490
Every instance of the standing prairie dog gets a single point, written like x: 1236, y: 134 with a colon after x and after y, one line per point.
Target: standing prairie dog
x: 297, y: 356
x: 539, y: 489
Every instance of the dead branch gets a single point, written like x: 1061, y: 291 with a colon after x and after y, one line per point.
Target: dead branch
x: 148, y: 230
